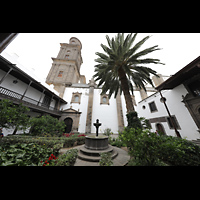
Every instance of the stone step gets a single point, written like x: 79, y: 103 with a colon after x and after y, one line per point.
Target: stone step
x: 84, y: 156
x: 88, y: 158
x: 96, y: 153
x: 197, y: 142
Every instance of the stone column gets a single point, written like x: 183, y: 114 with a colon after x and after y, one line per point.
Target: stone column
x: 119, y: 113
x: 90, y: 106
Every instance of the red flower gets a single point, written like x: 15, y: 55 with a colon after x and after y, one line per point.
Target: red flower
x: 52, y: 155
x: 44, y: 165
x: 41, y: 161
x: 45, y: 161
x: 81, y: 135
x: 49, y: 158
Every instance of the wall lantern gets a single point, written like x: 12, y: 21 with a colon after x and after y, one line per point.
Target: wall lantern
x: 163, y: 99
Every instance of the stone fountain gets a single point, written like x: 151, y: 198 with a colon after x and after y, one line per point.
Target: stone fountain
x: 95, y: 145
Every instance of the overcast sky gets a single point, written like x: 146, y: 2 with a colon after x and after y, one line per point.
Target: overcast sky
x: 36, y: 49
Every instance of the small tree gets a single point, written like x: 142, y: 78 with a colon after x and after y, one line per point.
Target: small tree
x: 133, y: 120
x: 47, y: 124
x: 13, y: 116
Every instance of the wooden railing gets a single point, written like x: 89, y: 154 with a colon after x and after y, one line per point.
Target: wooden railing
x: 27, y: 100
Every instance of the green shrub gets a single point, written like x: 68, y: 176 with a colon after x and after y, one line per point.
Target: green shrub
x: 148, y: 148
x: 57, y: 147
x: 142, y: 146
x: 80, y: 140
x: 116, y: 142
x: 177, y: 151
x: 23, y: 154
x: 106, y: 159
x: 133, y: 120
x: 49, y: 142
x: 47, y: 125
x: 13, y: 116
x: 68, y: 158
x: 107, y: 132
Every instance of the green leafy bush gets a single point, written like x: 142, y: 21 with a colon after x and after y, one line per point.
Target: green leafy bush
x: 23, y: 154
x: 47, y: 125
x: 133, y: 120
x: 106, y: 159
x: 68, y: 158
x: 116, y: 142
x: 12, y: 116
x: 177, y: 151
x: 107, y: 132
x: 49, y: 142
x: 148, y: 148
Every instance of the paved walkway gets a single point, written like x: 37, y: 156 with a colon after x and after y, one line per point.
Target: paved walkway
x: 121, y: 159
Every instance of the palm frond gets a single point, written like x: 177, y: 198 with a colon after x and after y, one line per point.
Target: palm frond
x: 106, y: 49
x: 109, y: 41
x: 131, y: 40
x: 120, y: 55
x: 101, y: 55
x: 122, y: 39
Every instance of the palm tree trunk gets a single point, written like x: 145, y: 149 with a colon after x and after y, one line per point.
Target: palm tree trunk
x: 125, y: 89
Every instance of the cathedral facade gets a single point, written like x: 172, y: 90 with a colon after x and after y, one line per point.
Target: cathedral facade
x: 85, y: 102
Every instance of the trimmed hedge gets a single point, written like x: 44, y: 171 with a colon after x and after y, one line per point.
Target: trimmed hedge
x: 49, y: 142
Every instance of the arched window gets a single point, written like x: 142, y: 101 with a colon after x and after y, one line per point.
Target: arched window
x: 104, y: 100
x: 76, y: 99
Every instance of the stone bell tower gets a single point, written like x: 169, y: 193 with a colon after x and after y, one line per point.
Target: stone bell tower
x: 65, y: 68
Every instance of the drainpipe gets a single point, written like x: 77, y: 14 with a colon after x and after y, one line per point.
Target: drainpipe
x: 170, y: 117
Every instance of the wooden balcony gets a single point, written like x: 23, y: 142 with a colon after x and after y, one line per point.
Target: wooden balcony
x: 27, y: 101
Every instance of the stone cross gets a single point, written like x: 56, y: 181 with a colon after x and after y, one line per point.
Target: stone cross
x: 97, y: 124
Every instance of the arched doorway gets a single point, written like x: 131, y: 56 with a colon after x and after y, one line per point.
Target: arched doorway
x: 68, y: 122
x: 159, y: 127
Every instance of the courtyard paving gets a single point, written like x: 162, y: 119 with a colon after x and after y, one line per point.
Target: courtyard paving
x: 121, y: 159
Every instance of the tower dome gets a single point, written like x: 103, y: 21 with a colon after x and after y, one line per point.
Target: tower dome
x: 76, y: 41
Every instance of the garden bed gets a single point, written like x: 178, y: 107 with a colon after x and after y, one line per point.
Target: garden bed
x: 20, y: 150
x: 50, y: 142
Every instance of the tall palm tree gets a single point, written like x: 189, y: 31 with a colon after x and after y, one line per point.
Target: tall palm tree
x: 121, y: 66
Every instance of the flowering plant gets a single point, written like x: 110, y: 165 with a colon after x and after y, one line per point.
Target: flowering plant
x: 51, y: 161
x: 68, y: 134
x: 81, y: 135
